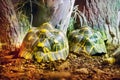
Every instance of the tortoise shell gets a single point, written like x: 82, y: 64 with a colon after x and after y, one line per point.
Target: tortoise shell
x: 87, y: 40
x: 44, y: 44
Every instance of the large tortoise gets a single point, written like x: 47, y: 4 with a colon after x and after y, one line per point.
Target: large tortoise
x: 88, y: 40
x: 44, y: 44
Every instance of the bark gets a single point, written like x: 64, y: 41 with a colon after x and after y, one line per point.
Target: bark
x: 62, y: 13
x: 103, y: 15
x: 58, y: 12
x: 9, y: 28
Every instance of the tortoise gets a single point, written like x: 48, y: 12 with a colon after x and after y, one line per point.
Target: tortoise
x: 88, y: 40
x: 44, y: 44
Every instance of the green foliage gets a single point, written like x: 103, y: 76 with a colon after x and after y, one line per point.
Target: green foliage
x: 104, y: 36
x: 23, y: 23
x: 71, y: 26
x: 37, y: 11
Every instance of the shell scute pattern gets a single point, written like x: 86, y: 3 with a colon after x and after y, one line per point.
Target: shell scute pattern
x: 45, y: 44
x: 87, y: 40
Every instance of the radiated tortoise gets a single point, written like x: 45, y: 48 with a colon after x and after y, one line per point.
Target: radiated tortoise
x: 88, y: 40
x: 45, y: 44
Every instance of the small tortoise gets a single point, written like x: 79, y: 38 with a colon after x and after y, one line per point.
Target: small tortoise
x: 45, y: 44
x: 87, y: 40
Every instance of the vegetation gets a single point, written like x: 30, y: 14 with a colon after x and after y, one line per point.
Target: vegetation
x: 27, y: 16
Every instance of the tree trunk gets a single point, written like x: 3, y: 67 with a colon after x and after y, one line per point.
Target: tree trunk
x: 62, y: 13
x: 103, y: 15
x: 58, y: 12
x: 9, y: 28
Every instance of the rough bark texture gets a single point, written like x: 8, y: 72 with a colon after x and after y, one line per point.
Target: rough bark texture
x: 103, y: 15
x: 62, y: 13
x: 9, y: 28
